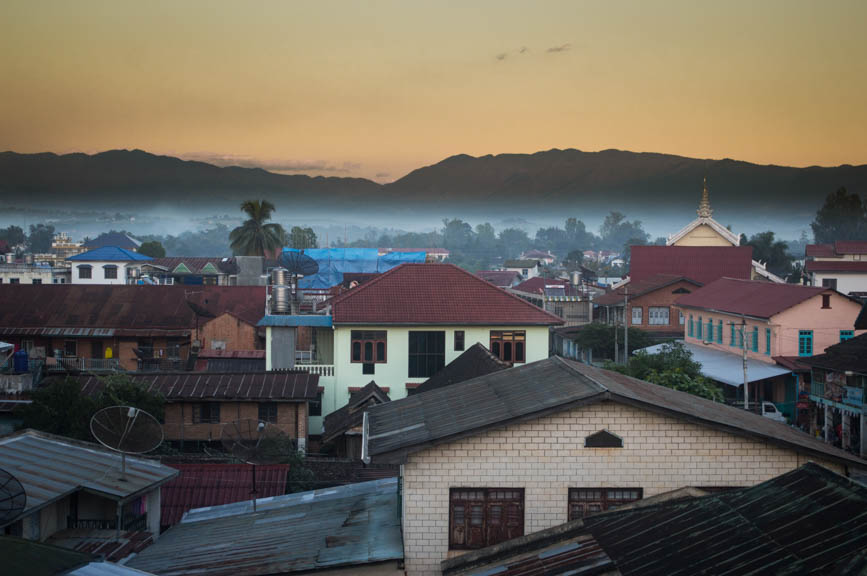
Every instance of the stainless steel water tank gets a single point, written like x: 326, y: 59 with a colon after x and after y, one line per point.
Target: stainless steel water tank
x: 279, y: 277
x: 280, y: 300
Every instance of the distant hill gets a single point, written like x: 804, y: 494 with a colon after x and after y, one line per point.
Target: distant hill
x: 550, y: 180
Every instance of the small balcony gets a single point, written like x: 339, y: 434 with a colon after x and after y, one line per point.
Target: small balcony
x: 171, y: 359
x: 76, y: 364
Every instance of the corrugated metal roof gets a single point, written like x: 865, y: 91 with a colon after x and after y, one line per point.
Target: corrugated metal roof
x: 49, y: 467
x: 275, y: 386
x: 109, y: 254
x: 757, y: 299
x: 474, y: 362
x: 551, y: 385
x: 700, y: 263
x: 641, y: 287
x: 201, y: 485
x: 107, y: 569
x: 724, y: 367
x: 344, y: 526
x: 836, y: 266
x: 808, y: 521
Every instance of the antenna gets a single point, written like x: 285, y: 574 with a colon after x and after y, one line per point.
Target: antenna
x: 13, y: 498
x: 127, y: 430
x: 252, y: 442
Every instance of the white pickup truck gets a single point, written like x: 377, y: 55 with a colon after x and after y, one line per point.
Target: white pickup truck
x: 770, y: 411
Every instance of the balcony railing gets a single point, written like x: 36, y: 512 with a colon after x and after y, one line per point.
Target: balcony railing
x: 321, y: 369
x: 73, y: 364
x: 91, y: 523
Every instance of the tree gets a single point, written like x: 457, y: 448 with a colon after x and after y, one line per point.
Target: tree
x: 13, y: 236
x: 61, y: 408
x: 457, y: 234
x: 796, y: 276
x: 616, y: 231
x: 39, y: 240
x: 573, y: 260
x: 773, y: 253
x: 302, y: 238
x: 256, y: 235
x: 514, y: 241
x: 599, y: 337
x: 842, y: 217
x: 154, y: 249
x: 672, y: 367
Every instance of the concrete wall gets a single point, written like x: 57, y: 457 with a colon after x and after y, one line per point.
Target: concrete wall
x: 546, y: 457
x: 98, y: 273
x: 703, y: 235
x: 846, y: 281
x: 394, y: 373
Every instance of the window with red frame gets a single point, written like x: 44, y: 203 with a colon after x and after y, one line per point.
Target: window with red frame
x: 369, y: 346
x: 509, y: 345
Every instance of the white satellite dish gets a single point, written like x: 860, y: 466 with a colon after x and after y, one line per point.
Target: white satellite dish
x: 127, y: 430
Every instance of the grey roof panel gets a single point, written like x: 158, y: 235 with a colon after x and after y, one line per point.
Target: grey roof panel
x: 343, y: 526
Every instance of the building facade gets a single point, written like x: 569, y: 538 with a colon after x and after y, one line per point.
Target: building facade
x: 841, y: 266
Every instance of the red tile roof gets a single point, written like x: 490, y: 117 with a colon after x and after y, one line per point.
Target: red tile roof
x: 641, y: 287
x: 201, y: 485
x: 426, y: 294
x: 752, y: 298
x: 700, y: 263
x: 836, y: 266
x: 132, y: 308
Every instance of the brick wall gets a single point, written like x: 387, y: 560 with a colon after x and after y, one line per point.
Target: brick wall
x: 664, y: 297
x: 237, y: 334
x: 546, y: 457
x: 179, y: 420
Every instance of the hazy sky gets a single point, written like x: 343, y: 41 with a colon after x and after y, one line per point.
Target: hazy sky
x: 376, y: 89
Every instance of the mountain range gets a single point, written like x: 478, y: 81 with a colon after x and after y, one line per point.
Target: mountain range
x: 553, y: 179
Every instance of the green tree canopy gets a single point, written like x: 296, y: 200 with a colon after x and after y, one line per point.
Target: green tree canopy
x: 256, y: 235
x: 302, y: 238
x: 599, y: 337
x: 842, y: 217
x: 514, y: 241
x: 153, y: 248
x: 616, y: 231
x: 573, y: 260
x: 772, y: 252
x: 13, y: 236
x: 40, y: 237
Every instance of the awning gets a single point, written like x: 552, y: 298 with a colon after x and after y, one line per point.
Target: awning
x: 724, y: 367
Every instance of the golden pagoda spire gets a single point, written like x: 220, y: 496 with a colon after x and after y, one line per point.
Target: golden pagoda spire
x: 704, y: 209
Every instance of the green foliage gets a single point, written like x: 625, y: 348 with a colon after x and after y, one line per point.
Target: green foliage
x: 61, y: 408
x: 600, y: 338
x: 773, y: 253
x: 39, y: 240
x: 616, y: 232
x: 842, y: 217
x: 153, y: 248
x: 282, y: 450
x: 573, y: 260
x: 797, y: 274
x: 256, y: 235
x: 673, y: 367
x: 457, y: 234
x: 302, y: 238
x: 13, y: 236
x: 514, y: 241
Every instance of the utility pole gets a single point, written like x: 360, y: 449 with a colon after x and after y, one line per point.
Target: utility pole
x: 744, y: 346
x: 625, y: 326
x: 615, y: 337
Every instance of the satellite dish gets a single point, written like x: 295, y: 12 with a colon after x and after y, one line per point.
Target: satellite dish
x: 13, y: 498
x: 299, y: 263
x: 253, y: 442
x: 127, y: 430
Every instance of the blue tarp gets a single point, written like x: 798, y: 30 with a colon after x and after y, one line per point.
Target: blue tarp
x: 334, y: 262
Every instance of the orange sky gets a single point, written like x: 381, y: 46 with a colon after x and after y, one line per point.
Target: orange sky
x: 376, y: 89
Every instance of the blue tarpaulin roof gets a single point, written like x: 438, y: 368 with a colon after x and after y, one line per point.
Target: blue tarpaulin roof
x: 334, y: 262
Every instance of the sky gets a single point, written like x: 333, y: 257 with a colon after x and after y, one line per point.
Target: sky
x: 377, y: 89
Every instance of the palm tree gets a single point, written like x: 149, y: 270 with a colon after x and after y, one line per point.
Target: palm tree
x: 254, y: 237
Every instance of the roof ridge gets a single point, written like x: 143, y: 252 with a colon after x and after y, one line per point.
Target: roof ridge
x: 571, y: 368
x: 341, y: 297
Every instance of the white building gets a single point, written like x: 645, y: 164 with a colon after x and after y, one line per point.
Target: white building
x: 107, y: 265
x: 841, y: 266
x: 21, y: 273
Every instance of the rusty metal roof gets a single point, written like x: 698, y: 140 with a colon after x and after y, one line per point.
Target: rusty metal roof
x: 553, y: 385
x: 50, y: 467
x: 204, y: 386
x: 347, y: 525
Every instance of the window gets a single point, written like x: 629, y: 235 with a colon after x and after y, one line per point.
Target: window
x: 768, y: 341
x: 268, y: 412
x: 657, y: 315
x: 27, y: 345
x: 826, y: 300
x: 829, y: 283
x: 85, y: 272
x: 37, y: 281
x: 459, y: 340
x: 508, y: 345
x: 805, y: 343
x: 369, y: 346
x: 681, y: 318
x: 680, y: 291
x: 96, y: 349
x: 846, y: 335
x: 698, y: 326
x: 110, y: 271
x: 584, y: 501
x: 719, y: 330
x: 206, y: 413
x: 480, y: 517
x: 427, y: 353
x: 14, y: 281
x: 754, y: 339
x: 315, y: 406
x: 70, y: 348
x: 636, y: 315
x: 709, y: 330
x: 691, y: 326
x: 732, y: 341
x: 218, y: 344
x: 603, y: 439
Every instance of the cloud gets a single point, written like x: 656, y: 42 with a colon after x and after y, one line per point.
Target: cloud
x: 561, y: 48
x: 275, y: 165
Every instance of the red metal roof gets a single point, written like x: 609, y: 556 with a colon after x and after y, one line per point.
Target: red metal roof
x: 201, y: 485
x: 426, y: 294
x: 752, y: 298
x: 820, y: 251
x: 701, y: 263
x: 271, y: 386
x: 641, y: 287
x: 836, y: 266
x: 130, y: 307
x: 838, y: 248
